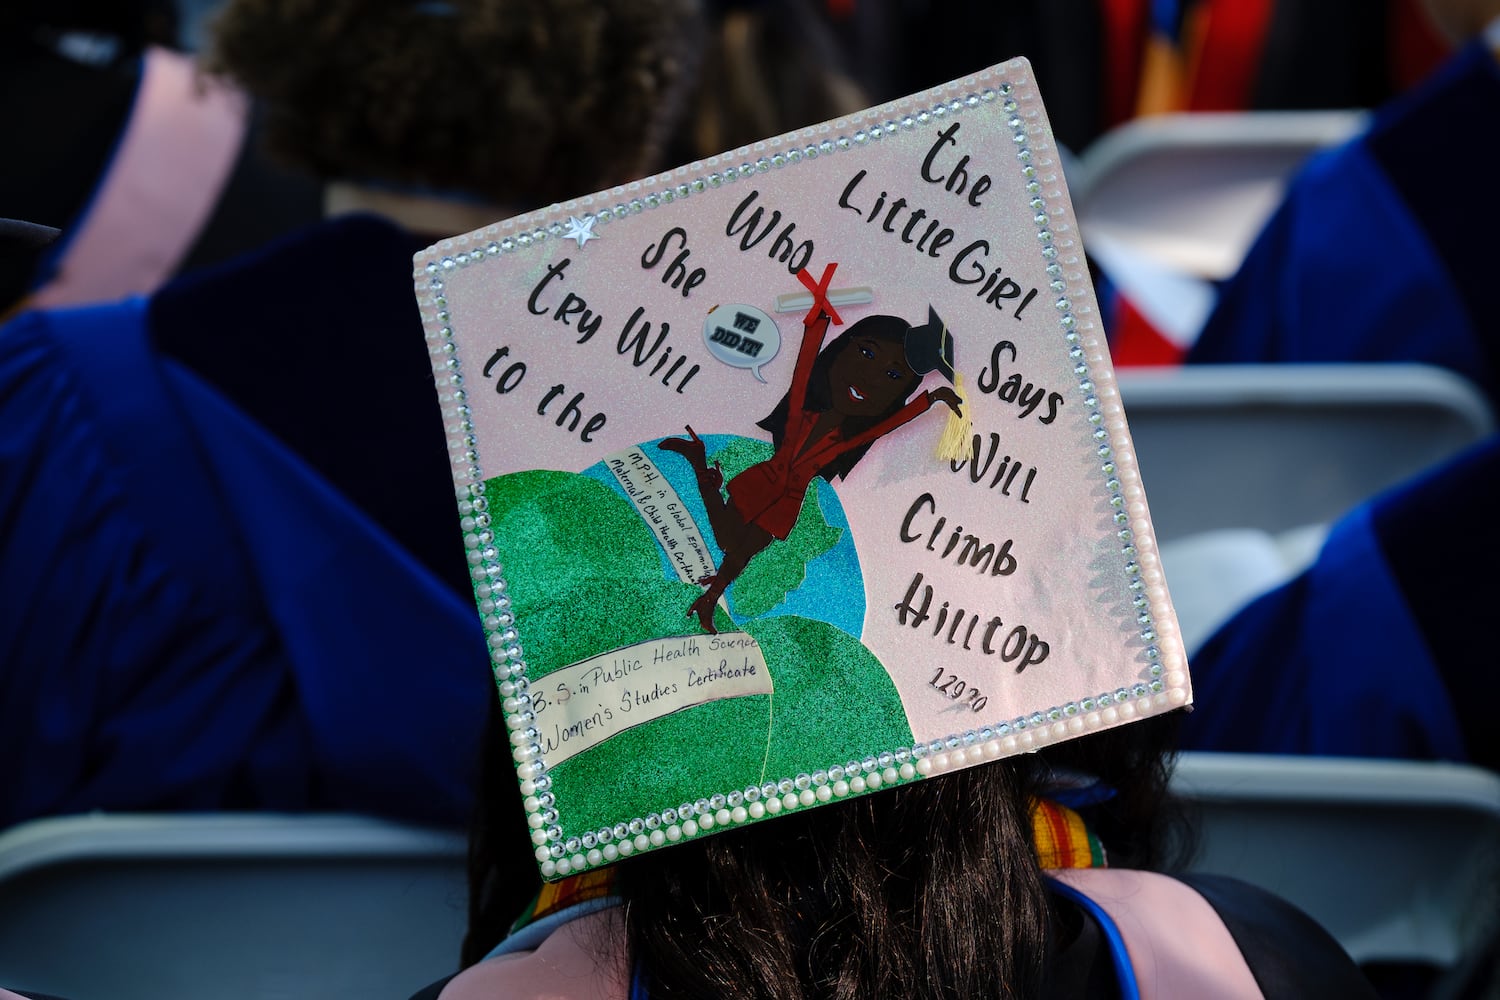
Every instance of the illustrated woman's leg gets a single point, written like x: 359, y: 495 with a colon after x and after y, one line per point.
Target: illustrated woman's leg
x: 724, y: 519
x: 751, y: 541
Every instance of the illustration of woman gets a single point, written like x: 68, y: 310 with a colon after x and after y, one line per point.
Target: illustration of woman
x: 840, y: 402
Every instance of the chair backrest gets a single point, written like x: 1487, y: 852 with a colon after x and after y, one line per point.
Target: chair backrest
x: 1192, y: 190
x: 228, y: 906
x: 1277, y: 447
x: 1399, y: 860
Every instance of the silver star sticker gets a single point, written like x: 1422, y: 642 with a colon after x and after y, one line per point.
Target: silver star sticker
x: 581, y: 230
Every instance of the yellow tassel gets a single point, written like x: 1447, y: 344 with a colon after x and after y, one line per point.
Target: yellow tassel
x: 957, y: 442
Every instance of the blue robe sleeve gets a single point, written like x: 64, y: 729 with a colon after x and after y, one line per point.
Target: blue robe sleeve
x: 1380, y: 249
x: 1381, y: 647
x: 192, y: 618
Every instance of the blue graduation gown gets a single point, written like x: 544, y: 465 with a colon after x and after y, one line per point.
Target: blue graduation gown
x: 192, y: 616
x: 1382, y: 648
x: 1381, y: 249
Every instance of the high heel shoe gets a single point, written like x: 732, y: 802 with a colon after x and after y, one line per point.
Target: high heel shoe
x: 703, y: 607
x: 691, y: 449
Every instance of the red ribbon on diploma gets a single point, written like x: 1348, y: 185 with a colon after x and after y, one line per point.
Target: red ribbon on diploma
x: 819, y: 291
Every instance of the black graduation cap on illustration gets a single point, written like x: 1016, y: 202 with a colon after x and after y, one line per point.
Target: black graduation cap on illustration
x: 929, y: 347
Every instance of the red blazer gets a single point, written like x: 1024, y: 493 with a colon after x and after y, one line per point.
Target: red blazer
x: 769, y: 494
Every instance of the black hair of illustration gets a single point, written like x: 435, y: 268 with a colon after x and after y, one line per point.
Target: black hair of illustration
x: 888, y: 328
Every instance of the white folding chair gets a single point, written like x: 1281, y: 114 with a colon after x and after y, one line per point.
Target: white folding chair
x: 1278, y: 447
x: 1192, y: 190
x: 1399, y: 860
x: 229, y: 906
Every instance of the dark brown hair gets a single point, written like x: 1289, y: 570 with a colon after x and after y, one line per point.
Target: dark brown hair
x: 518, y: 102
x: 771, y: 66
x: 927, y: 890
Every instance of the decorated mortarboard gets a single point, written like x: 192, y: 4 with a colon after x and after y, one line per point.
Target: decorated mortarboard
x: 736, y: 552
x: 929, y: 347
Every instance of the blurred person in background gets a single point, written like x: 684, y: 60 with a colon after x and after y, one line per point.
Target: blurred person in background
x: 232, y: 567
x: 1380, y: 249
x: 447, y: 116
x: 142, y: 167
x: 1104, y: 62
x: 769, y: 66
x: 1380, y: 252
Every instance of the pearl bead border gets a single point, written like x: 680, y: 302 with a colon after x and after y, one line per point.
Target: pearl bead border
x: 1163, y: 684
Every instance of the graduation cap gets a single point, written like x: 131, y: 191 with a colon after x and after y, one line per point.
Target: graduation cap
x: 632, y: 728
x: 929, y: 347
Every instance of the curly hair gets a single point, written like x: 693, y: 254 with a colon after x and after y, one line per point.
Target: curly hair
x: 512, y: 101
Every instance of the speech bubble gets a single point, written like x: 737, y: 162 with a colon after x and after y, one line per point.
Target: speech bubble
x: 742, y: 337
